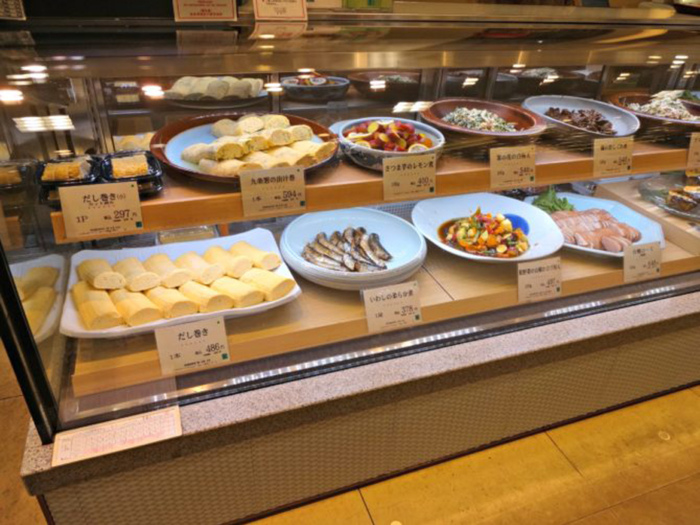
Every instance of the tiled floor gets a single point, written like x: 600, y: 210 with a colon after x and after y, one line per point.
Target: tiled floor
x: 635, y: 466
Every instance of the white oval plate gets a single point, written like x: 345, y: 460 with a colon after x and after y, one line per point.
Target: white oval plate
x: 72, y: 325
x: 651, y: 230
x: 544, y: 235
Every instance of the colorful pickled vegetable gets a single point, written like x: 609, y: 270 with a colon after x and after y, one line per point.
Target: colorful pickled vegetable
x: 389, y: 135
x: 485, y: 234
x: 311, y: 79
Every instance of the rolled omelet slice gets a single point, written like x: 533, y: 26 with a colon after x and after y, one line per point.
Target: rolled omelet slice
x: 96, y: 309
x: 260, y: 258
x: 197, y: 152
x: 249, y: 124
x: 228, y: 168
x: 172, y: 302
x: 182, y: 86
x: 294, y: 157
x: 320, y: 150
x: 34, y: 279
x: 242, y: 294
x: 227, y: 148
x: 98, y: 273
x: 37, y: 307
x: 202, y: 271
x: 240, y: 89
x: 255, y: 86
x: 235, y: 265
x: 223, y: 127
x: 171, y: 276
x: 137, y: 277
x: 255, y: 142
x: 273, y: 121
x: 135, y: 308
x: 301, y: 132
x: 272, y: 285
x: 199, y: 88
x: 265, y: 160
x: 207, y: 300
x: 216, y: 89
x: 277, y: 137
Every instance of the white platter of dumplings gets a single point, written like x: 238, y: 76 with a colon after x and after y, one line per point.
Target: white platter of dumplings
x: 215, y: 92
x: 72, y: 322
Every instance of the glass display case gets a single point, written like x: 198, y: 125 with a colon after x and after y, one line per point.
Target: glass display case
x: 178, y: 123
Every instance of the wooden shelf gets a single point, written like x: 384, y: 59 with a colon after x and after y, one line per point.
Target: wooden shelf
x: 450, y: 287
x: 186, y: 202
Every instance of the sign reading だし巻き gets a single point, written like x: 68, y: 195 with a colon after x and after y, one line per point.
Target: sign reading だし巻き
x: 392, y: 307
x: 512, y: 167
x: 409, y: 177
x: 275, y: 190
x: 205, y: 10
x: 193, y: 346
x: 289, y: 10
x: 101, y: 209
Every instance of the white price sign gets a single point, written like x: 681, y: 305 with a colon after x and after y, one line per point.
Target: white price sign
x: 694, y: 152
x: 101, y: 209
x: 276, y: 190
x: 539, y: 280
x: 512, y: 167
x: 409, y: 177
x: 612, y: 156
x: 192, y: 346
x: 392, y: 307
x: 280, y: 10
x: 642, y: 261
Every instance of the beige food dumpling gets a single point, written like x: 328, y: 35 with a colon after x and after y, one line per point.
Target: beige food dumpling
x: 171, y: 276
x: 243, y: 295
x: 37, y: 307
x: 137, y: 277
x: 99, y: 274
x: 207, y: 299
x: 235, y: 265
x: 199, y: 88
x: 216, y: 89
x: 240, y: 89
x: 135, y: 308
x: 172, y: 302
x: 255, y: 86
x: 260, y: 258
x: 96, y: 309
x: 202, y: 271
x: 181, y: 87
x: 272, y: 285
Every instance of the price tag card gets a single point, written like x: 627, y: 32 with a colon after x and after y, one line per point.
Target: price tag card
x: 512, y: 167
x: 191, y: 346
x: 205, y: 10
x: 642, y: 261
x: 12, y: 10
x: 101, y: 209
x: 612, y: 157
x: 121, y: 434
x: 539, y: 280
x: 694, y: 152
x: 292, y: 10
x: 409, y: 177
x: 277, y: 31
x: 392, y: 307
x: 266, y: 192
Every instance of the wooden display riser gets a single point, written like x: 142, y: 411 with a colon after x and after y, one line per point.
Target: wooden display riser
x: 450, y: 287
x: 187, y: 202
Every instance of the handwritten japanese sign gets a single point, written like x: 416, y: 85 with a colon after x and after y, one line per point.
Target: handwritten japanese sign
x: 101, y: 209
x: 191, y: 346
x: 694, y: 152
x: 539, y: 280
x: 642, y: 261
x: 512, y: 167
x: 409, y: 177
x: 392, y: 307
x: 612, y: 156
x: 266, y: 192
x: 204, y: 10
x: 280, y: 10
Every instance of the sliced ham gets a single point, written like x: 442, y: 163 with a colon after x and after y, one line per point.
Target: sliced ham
x: 596, y: 229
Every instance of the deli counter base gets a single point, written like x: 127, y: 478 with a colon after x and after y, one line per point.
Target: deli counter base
x: 246, y: 455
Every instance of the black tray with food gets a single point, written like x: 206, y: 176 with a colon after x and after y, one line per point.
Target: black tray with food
x: 72, y: 171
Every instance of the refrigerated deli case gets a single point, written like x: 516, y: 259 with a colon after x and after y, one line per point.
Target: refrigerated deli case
x: 132, y: 225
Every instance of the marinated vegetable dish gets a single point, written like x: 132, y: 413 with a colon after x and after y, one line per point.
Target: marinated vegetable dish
x: 479, y: 120
x: 397, y: 79
x: 311, y: 79
x: 666, y: 104
x: 485, y: 234
x: 388, y: 135
x: 588, y: 119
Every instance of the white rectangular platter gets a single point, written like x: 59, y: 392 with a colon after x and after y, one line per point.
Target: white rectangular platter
x: 55, y: 261
x: 72, y: 325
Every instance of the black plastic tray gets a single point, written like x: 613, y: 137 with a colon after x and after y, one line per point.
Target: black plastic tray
x: 90, y: 177
x: 154, y: 169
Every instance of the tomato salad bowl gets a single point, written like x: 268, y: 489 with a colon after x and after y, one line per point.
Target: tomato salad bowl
x: 361, y: 142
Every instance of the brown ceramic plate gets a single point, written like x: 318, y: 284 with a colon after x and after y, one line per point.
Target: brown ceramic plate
x: 626, y: 98
x: 528, y: 124
x: 169, y: 141
x: 407, y: 91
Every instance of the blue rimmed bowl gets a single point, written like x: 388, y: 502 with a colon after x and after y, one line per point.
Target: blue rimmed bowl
x: 321, y: 93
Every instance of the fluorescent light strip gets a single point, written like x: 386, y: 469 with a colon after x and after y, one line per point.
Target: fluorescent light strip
x: 50, y: 123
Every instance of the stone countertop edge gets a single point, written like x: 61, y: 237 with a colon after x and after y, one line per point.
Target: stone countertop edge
x: 204, y: 424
